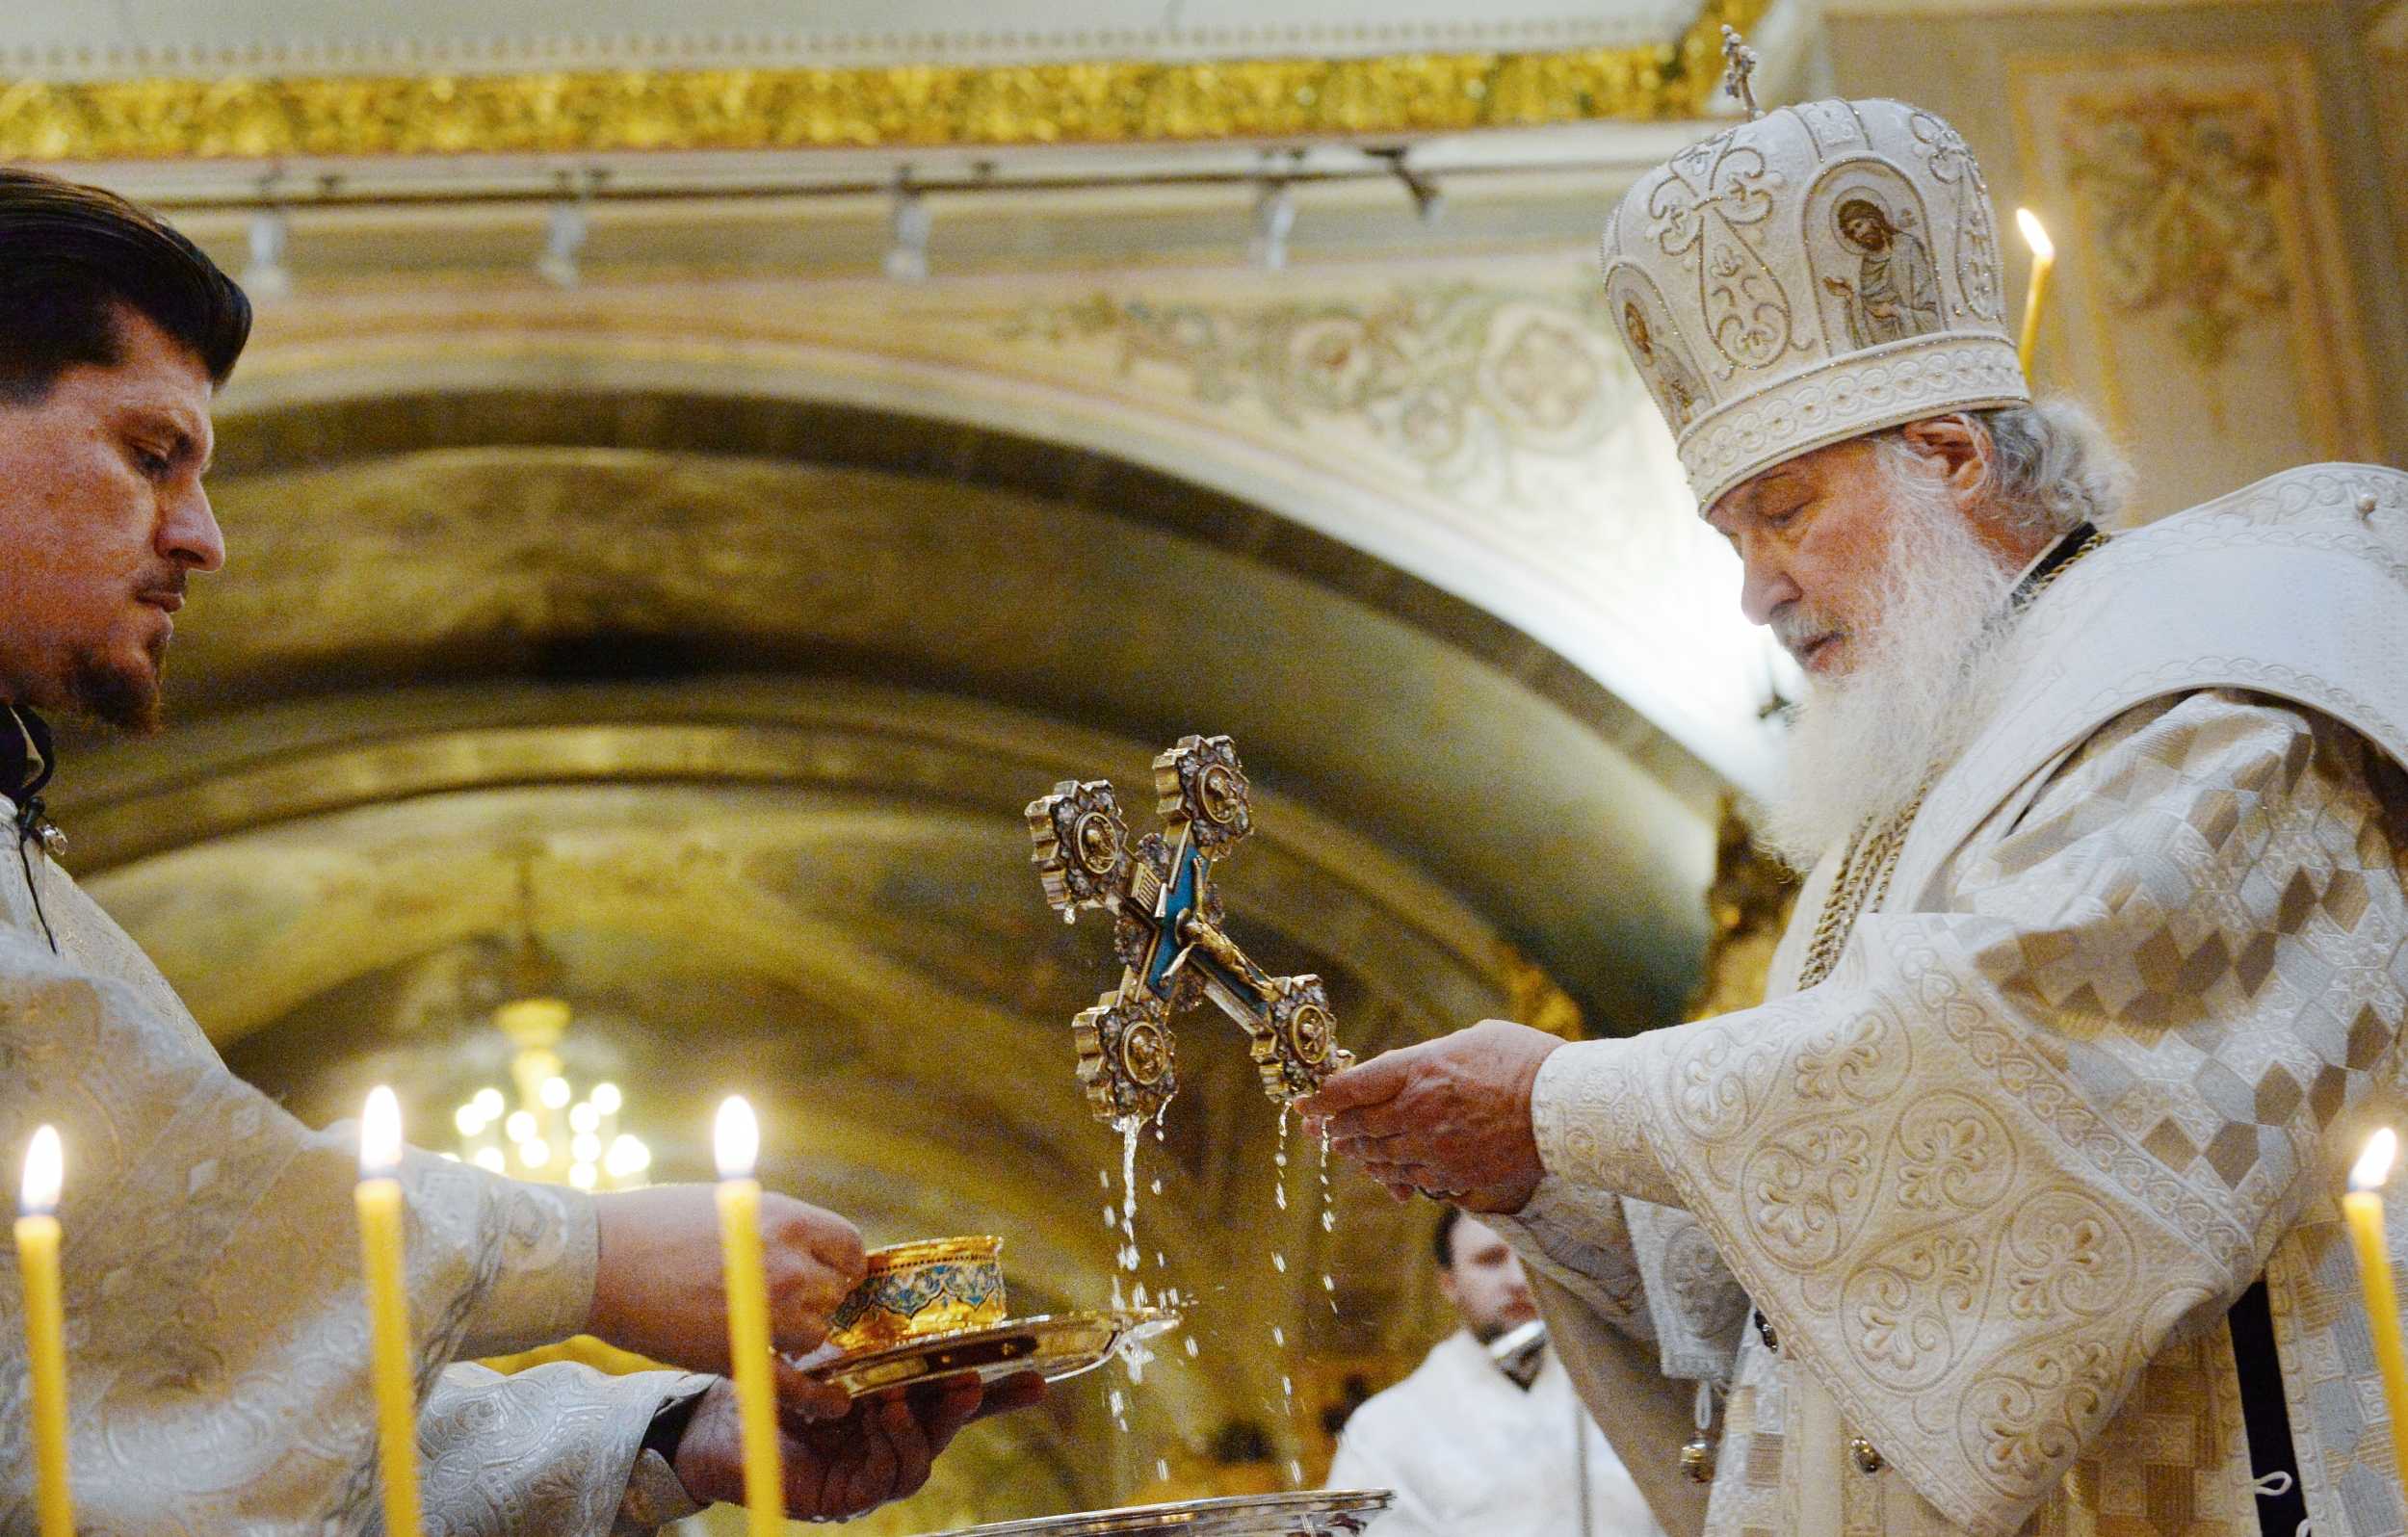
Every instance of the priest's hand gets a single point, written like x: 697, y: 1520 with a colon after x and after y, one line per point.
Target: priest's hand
x: 838, y: 1469
x: 657, y: 1289
x: 1449, y: 1118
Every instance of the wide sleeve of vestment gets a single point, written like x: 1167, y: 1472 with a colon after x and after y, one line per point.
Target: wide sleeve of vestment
x: 1980, y: 1175
x: 217, y: 1331
x: 554, y: 1448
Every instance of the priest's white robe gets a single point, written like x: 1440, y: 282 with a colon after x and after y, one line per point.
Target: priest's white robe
x: 2132, y: 1001
x: 216, y: 1327
x: 1470, y: 1453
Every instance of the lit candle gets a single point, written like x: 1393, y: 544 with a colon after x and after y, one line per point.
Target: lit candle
x: 45, y: 1325
x: 737, y: 1141
x: 378, y: 1197
x: 2043, y: 260
x: 2363, y: 1208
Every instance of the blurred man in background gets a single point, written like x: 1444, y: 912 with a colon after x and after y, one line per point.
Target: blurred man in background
x: 1486, y: 1435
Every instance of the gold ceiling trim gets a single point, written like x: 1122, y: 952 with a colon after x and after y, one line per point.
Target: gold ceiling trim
x: 617, y: 110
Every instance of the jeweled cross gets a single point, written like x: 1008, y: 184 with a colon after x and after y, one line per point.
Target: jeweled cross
x: 1167, y: 928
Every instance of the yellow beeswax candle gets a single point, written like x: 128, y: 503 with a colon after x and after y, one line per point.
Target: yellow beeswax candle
x: 2043, y: 262
x: 378, y: 1197
x: 738, y: 1142
x: 45, y: 1328
x: 2363, y: 1208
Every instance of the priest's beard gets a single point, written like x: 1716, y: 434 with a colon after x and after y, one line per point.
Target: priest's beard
x: 117, y: 695
x: 1921, y: 679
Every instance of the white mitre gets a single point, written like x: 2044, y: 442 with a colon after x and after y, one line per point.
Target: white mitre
x: 1809, y: 275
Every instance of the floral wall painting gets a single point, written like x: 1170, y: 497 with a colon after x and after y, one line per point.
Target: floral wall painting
x: 1460, y: 380
x: 2205, y: 298
x: 2184, y: 189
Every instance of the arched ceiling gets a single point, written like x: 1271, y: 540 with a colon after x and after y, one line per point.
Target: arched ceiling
x: 492, y: 536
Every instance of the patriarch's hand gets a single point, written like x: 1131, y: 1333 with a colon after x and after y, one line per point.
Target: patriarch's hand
x: 1449, y: 1118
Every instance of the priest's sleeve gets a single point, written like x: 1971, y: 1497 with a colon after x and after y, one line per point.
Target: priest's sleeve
x: 2016, y: 1143
x: 554, y: 1448
x: 217, y: 1332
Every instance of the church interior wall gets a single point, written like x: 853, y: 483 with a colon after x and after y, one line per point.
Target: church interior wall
x: 2229, y: 287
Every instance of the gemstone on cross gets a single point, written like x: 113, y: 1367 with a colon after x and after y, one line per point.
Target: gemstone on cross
x: 1168, y: 931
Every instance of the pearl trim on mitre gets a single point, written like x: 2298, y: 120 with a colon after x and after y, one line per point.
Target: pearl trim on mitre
x: 1847, y: 397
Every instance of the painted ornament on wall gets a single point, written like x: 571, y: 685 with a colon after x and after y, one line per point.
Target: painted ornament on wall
x: 2185, y: 189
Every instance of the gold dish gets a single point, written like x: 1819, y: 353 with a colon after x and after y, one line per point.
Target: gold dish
x: 1297, y: 1513
x: 1053, y: 1345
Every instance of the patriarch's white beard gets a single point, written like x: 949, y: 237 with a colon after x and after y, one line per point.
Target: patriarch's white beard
x: 1917, y: 686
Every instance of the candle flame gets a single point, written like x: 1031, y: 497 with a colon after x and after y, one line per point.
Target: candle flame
x: 737, y: 1138
x: 380, y: 1134
x: 2037, y: 238
x: 2374, y: 1164
x: 46, y: 1171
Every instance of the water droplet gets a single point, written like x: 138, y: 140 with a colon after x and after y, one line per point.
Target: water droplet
x: 1158, y: 1186
x: 1278, y: 1335
x: 1296, y: 1471
x: 1279, y: 1263
x: 1282, y: 1193
x: 1128, y: 1125
x: 1329, y: 1283
x: 1161, y: 1465
x: 1104, y: 1177
x: 1191, y: 1344
x: 1136, y: 1356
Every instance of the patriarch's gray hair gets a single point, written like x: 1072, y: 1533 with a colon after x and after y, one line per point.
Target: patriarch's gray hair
x: 2052, y: 467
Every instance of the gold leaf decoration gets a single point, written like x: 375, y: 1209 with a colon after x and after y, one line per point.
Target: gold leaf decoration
x: 595, y: 111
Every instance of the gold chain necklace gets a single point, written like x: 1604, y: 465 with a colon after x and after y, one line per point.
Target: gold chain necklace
x: 1863, y: 882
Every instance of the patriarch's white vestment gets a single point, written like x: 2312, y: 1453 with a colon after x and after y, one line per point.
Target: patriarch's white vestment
x: 2093, y: 1066
x: 217, y: 1334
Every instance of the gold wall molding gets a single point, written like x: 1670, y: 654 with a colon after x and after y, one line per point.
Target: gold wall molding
x: 1749, y: 907
x: 595, y: 111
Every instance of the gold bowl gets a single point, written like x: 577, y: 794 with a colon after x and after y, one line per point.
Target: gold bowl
x: 935, y: 1285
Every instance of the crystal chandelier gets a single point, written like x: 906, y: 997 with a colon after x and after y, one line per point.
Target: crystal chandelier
x: 542, y: 1130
